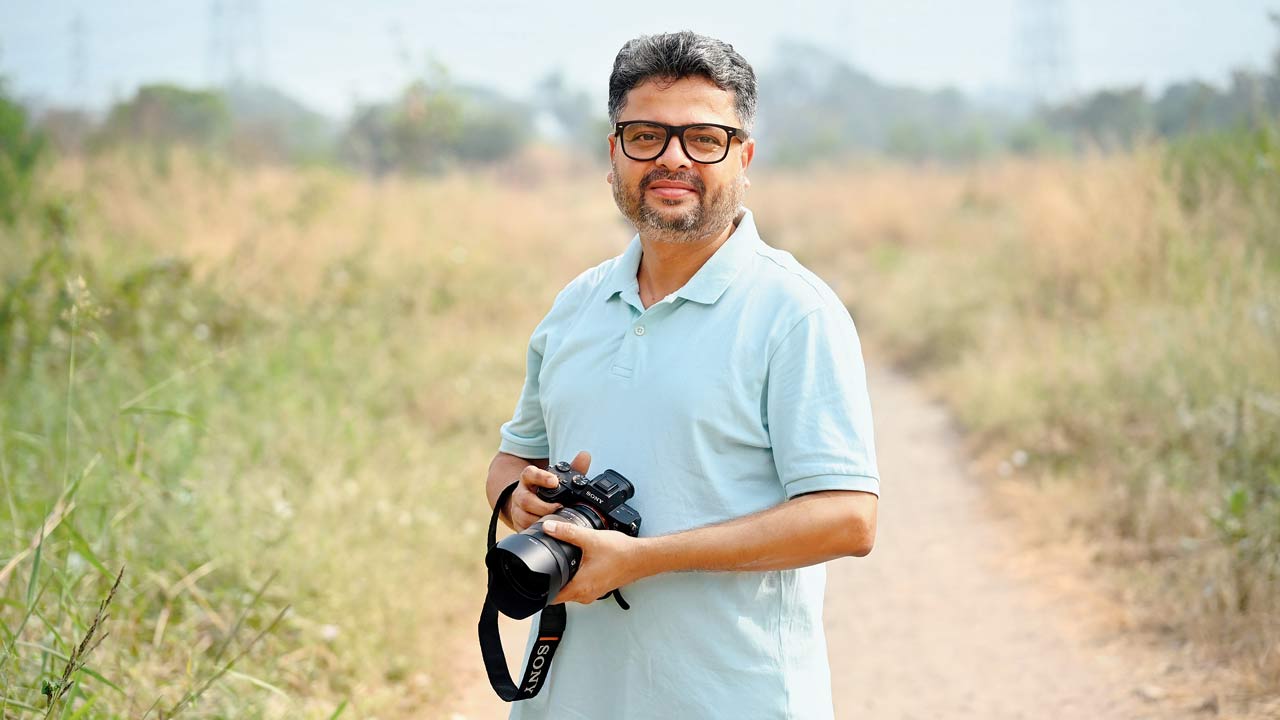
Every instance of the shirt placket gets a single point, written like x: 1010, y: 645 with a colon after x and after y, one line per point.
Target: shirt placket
x: 641, y: 332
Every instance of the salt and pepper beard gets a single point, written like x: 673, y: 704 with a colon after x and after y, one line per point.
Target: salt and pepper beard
x: 707, y: 218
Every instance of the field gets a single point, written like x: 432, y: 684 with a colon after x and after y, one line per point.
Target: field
x: 1106, y: 331
x: 269, y: 395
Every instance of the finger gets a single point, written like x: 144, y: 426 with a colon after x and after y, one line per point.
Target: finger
x: 541, y: 478
x: 581, y: 462
x: 521, y: 520
x: 570, y: 593
x: 571, y: 534
x: 534, y: 505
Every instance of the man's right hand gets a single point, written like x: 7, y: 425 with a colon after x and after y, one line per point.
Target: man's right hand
x: 525, y: 507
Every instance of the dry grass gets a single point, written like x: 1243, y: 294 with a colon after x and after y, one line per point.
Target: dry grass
x: 308, y: 391
x: 1098, y: 338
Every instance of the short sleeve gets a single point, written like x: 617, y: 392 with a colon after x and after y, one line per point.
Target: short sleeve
x: 817, y: 409
x: 525, y: 434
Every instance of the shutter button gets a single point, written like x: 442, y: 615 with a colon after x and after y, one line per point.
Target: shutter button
x: 639, y: 329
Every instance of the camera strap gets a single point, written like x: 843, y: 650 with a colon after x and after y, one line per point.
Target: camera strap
x: 550, y: 629
x: 537, y: 666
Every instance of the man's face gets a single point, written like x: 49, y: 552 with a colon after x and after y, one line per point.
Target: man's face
x: 683, y: 199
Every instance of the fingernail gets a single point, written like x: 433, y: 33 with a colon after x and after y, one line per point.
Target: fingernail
x: 551, y: 526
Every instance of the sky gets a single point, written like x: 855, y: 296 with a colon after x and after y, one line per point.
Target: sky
x: 329, y: 53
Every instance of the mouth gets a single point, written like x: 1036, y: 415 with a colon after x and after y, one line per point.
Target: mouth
x: 671, y: 189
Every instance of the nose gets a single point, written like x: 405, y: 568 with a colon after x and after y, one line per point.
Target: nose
x: 673, y: 157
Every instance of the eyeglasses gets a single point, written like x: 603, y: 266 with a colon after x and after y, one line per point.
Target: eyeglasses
x: 705, y: 143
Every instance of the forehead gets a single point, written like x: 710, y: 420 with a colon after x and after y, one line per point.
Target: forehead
x: 687, y: 100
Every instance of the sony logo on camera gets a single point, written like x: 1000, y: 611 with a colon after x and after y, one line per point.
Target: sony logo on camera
x: 603, y: 496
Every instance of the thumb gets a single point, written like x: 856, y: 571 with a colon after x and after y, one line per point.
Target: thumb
x: 581, y: 462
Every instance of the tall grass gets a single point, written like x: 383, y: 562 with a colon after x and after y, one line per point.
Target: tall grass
x: 269, y: 395
x: 1106, y: 329
x: 273, y: 394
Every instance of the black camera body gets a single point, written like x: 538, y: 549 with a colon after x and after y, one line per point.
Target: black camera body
x: 605, y: 495
x: 528, y: 570
x: 530, y: 567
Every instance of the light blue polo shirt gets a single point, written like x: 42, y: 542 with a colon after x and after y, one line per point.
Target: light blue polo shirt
x: 742, y: 389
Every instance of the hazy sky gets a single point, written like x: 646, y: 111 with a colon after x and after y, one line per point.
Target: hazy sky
x: 328, y: 52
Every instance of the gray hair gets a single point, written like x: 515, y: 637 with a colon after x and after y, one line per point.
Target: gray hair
x: 678, y: 55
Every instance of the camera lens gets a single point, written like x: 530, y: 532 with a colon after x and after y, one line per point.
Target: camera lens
x: 522, y: 580
x: 580, y: 516
x: 530, y: 567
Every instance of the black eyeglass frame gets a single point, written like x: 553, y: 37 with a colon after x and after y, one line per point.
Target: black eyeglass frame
x: 678, y: 131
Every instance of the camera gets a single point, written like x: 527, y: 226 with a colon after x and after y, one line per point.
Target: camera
x: 529, y: 568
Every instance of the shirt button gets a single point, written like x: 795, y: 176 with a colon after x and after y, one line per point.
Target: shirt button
x: 639, y: 329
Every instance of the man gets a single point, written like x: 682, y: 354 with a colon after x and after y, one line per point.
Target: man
x: 726, y: 382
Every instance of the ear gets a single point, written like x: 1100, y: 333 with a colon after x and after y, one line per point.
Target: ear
x: 613, y: 145
x: 748, y: 152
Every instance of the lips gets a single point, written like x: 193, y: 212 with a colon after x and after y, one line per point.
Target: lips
x: 672, y: 189
x: 670, y: 192
x: 671, y: 184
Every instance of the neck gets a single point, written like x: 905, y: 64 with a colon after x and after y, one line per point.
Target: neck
x: 668, y: 262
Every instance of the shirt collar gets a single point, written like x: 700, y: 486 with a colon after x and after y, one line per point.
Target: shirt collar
x: 712, y: 279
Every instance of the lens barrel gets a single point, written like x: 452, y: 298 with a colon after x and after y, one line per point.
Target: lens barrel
x: 530, y: 567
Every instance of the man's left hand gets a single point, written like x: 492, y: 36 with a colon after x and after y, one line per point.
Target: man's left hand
x: 610, y: 560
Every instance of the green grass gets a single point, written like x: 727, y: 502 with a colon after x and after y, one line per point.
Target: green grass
x: 281, y: 438
x: 107, y: 385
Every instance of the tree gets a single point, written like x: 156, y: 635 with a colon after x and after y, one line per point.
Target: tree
x: 21, y: 149
x: 1189, y: 107
x: 67, y: 129
x: 367, y: 142
x: 816, y: 107
x: 1111, y: 118
x: 165, y: 115
x: 580, y: 126
x: 425, y: 128
x: 270, y: 126
x: 433, y: 126
x: 1273, y: 86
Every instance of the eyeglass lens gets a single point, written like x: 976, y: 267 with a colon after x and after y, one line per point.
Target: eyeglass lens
x: 703, y: 143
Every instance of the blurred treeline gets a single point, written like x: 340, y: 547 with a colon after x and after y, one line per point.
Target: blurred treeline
x: 433, y: 125
x: 814, y: 107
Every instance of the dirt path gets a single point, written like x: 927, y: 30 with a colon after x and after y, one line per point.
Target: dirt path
x: 937, y: 622
x: 951, y: 616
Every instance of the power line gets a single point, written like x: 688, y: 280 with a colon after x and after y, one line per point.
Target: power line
x: 79, y: 65
x: 237, y: 42
x: 1042, y: 56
